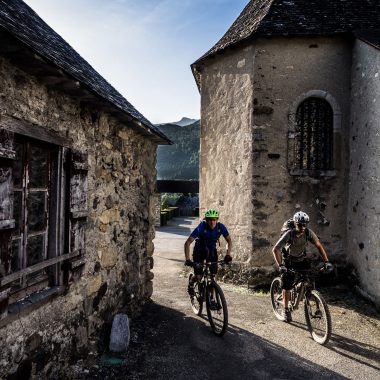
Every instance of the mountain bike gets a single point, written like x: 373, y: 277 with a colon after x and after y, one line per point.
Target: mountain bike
x: 208, y: 290
x: 317, y: 314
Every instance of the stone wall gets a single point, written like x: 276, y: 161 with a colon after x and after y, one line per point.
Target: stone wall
x: 363, y: 207
x: 248, y: 97
x: 226, y: 145
x: 286, y: 72
x: 119, y: 231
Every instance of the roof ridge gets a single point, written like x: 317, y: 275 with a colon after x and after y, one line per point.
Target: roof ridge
x: 21, y: 21
x: 262, y: 10
x: 296, y: 17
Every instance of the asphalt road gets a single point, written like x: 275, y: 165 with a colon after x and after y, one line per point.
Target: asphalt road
x: 170, y: 342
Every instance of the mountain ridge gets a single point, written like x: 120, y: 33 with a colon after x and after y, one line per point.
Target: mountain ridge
x: 180, y: 160
x: 185, y: 121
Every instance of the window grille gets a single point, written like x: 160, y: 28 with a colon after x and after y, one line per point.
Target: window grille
x: 314, y: 135
x: 32, y: 169
x: 43, y: 213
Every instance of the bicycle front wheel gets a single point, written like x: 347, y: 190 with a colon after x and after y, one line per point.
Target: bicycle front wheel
x: 196, y: 300
x: 276, y: 298
x: 217, y: 312
x: 318, y: 318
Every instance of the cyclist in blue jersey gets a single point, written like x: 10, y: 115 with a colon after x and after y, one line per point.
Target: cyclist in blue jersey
x: 206, y: 237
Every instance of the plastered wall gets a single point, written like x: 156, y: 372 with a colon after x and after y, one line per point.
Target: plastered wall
x: 248, y: 96
x: 226, y: 145
x: 363, y: 207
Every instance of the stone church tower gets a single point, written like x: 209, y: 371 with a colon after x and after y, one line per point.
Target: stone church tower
x: 290, y: 121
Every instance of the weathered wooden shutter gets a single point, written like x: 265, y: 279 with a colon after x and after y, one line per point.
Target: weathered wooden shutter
x: 7, y: 155
x: 78, y: 210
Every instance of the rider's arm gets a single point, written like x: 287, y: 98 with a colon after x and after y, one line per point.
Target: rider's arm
x: 194, y: 235
x: 314, y: 239
x: 277, y: 254
x: 227, y: 236
x: 187, y: 247
x: 322, y: 251
x: 277, y: 248
x: 229, y: 245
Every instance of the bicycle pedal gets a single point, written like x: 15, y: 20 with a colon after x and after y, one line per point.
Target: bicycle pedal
x: 214, y: 306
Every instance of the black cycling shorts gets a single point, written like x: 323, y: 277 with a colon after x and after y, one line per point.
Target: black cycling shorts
x: 288, y: 278
x: 200, y: 256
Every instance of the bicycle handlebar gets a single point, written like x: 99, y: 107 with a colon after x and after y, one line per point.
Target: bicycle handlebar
x: 302, y: 271
x: 308, y: 272
x: 208, y: 263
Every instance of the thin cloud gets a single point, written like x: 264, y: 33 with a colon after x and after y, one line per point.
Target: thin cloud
x: 144, y: 48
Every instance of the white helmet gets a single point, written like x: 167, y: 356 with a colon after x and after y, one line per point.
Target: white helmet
x: 301, y: 217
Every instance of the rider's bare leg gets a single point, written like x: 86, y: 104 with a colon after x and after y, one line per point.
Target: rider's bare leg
x: 286, y: 297
x: 196, y: 278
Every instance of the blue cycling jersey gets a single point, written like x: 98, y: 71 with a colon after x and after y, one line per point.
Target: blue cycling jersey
x: 210, y: 236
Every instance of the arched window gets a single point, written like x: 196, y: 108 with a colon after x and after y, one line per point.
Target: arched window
x: 314, y: 135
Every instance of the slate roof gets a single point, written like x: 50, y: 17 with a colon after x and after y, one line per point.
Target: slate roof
x: 23, y: 23
x: 299, y: 18
x: 371, y: 37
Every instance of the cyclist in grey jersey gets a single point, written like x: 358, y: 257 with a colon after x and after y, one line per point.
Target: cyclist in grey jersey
x: 290, y: 253
x: 295, y: 245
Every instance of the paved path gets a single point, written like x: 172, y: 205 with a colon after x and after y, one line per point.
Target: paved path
x: 170, y: 342
x: 256, y: 345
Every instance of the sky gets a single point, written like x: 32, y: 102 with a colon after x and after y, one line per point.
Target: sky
x: 144, y: 48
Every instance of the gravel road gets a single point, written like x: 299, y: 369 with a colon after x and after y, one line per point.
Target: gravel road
x: 170, y: 342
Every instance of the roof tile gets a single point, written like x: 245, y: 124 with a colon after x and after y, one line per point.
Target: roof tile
x: 299, y: 18
x: 22, y: 22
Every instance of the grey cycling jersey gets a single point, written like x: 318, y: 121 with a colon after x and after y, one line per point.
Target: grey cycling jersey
x: 297, y: 249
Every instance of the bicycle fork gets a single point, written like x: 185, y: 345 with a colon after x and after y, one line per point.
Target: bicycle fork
x: 298, y: 295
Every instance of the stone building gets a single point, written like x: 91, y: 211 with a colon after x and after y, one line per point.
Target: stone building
x: 290, y: 120
x: 77, y: 183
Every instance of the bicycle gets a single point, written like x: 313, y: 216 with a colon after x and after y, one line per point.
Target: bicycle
x: 317, y: 314
x: 208, y: 290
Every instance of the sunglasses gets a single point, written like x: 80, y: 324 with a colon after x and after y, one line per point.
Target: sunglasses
x: 302, y: 225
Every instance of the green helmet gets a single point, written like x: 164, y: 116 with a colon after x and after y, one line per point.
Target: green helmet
x: 212, y: 214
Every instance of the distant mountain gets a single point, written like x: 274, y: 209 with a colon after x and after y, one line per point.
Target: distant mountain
x: 180, y: 160
x: 185, y: 121
x: 182, y: 123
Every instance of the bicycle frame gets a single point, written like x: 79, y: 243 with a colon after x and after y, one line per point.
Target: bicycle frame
x: 317, y: 314
x: 207, y: 290
x: 207, y: 277
x: 303, y: 282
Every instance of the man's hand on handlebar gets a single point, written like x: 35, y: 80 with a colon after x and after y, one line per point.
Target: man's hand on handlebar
x: 327, y: 267
x: 282, y: 269
x: 188, y: 263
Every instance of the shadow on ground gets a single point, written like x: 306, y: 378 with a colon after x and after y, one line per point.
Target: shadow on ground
x: 357, y: 351
x: 350, y: 348
x: 167, y: 344
x: 185, y: 227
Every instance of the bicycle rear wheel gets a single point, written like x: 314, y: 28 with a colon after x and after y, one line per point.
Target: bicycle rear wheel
x: 276, y: 298
x: 217, y: 312
x: 196, y: 300
x: 318, y: 318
